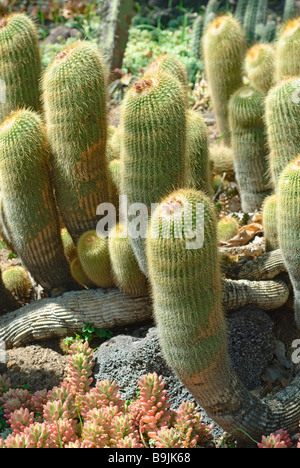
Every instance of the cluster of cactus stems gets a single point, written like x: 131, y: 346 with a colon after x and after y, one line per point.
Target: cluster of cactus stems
x: 76, y: 414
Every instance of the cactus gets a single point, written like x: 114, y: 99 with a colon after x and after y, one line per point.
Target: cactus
x: 249, y: 142
x: 260, y: 66
x: 197, y: 36
x: 211, y: 10
x: 79, y: 274
x: 227, y: 228
x: 288, y: 227
x: 192, y: 327
x: 198, y: 173
x: 20, y: 65
x: 94, y: 257
x: 222, y: 160
x: 7, y: 302
x: 287, y: 62
x: 269, y: 32
x: 223, y: 50
x: 289, y: 10
x: 113, y: 148
x: 32, y: 217
x: 282, y: 114
x: 127, y: 274
x: 68, y: 245
x: 170, y: 64
x: 269, y: 219
x: 250, y: 21
x: 17, y: 281
x: 240, y: 11
x: 262, y: 12
x: 74, y: 90
x: 154, y: 146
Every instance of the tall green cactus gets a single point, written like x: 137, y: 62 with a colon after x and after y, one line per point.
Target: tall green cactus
x: 250, y: 21
x: 289, y: 10
x: 288, y: 50
x: 288, y: 227
x: 20, y: 65
x: 154, y: 146
x: 283, y: 125
x: 240, y: 10
x: 260, y: 66
x: 169, y: 63
x: 249, y: 142
x: 198, y: 172
x: 269, y: 220
x: 74, y: 90
x: 28, y: 201
x: 197, y: 33
x: 191, y: 323
x: 223, y: 50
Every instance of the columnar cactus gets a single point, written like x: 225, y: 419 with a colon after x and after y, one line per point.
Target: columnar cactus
x: 223, y: 49
x: 198, y: 172
x: 240, y: 10
x: 191, y: 323
x: 250, y: 20
x: 74, y: 91
x: 20, y: 65
x: 249, y: 142
x: 269, y: 213
x: 260, y: 65
x: 288, y: 227
x: 31, y: 214
x: 289, y: 10
x: 282, y: 112
x: 287, y: 50
x: 94, y: 257
x: 154, y: 146
x: 197, y: 36
x: 79, y: 274
x: 127, y: 274
x: 170, y: 64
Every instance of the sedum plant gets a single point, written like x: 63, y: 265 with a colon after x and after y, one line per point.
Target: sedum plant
x: 76, y: 414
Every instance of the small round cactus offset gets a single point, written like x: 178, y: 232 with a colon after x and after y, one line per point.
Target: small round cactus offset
x: 74, y: 91
x: 79, y: 274
x: 20, y: 65
x: 269, y: 219
x: 17, y: 281
x: 198, y: 172
x: 93, y: 254
x: 249, y: 143
x: 127, y: 274
x: 288, y: 226
x: 227, y: 228
x: 282, y: 112
x: 287, y: 56
x: 260, y: 66
x: 223, y: 49
x: 28, y: 201
x: 154, y: 148
x: 7, y: 302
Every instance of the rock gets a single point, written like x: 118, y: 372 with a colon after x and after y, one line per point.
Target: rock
x: 126, y: 358
x: 62, y: 33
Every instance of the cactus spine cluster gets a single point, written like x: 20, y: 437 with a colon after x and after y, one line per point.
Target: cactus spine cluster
x: 198, y: 172
x: 260, y: 66
x: 249, y: 142
x: 288, y: 227
x: 154, y: 146
x: 127, y: 274
x: 223, y: 49
x: 93, y: 254
x: 74, y: 91
x: 31, y: 216
x: 20, y: 65
x: 282, y: 113
x: 287, y: 50
x: 269, y: 219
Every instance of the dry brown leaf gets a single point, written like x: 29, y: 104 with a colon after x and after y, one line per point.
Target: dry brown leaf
x: 244, y: 236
